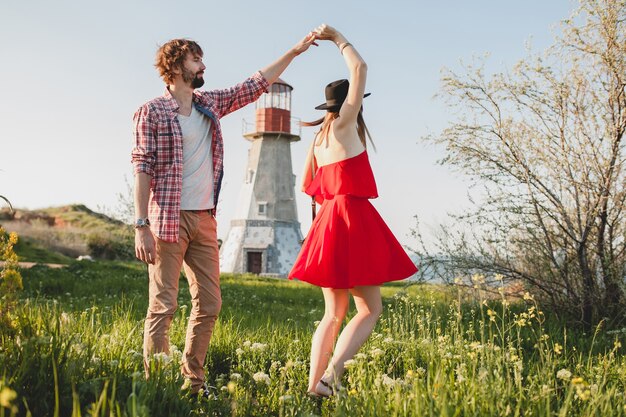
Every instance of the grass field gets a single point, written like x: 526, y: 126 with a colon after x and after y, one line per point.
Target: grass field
x: 76, y: 337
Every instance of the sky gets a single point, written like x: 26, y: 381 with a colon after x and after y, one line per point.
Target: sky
x: 74, y: 72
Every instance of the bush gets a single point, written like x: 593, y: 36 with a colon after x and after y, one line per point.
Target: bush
x: 10, y: 277
x: 109, y: 246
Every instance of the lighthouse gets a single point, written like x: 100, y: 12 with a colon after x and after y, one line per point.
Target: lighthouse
x: 264, y: 236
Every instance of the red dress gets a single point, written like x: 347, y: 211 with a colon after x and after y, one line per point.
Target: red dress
x: 349, y: 244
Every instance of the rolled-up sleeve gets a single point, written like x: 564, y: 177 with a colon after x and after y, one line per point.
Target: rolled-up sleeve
x: 143, y: 155
x: 234, y: 98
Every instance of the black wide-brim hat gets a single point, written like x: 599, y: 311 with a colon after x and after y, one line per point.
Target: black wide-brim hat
x: 336, y: 93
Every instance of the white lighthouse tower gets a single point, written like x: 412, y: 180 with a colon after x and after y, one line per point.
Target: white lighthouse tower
x: 264, y: 236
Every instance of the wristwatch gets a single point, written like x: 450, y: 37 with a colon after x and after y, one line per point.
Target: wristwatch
x: 139, y: 223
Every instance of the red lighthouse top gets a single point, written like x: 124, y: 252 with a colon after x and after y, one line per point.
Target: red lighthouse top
x: 273, y: 109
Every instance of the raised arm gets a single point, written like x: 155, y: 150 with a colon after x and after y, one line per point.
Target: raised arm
x: 358, y: 75
x: 273, y: 71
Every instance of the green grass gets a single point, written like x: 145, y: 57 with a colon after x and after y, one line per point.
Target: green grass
x: 31, y: 251
x: 77, y: 336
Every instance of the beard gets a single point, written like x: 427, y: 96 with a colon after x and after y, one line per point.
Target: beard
x: 196, y: 80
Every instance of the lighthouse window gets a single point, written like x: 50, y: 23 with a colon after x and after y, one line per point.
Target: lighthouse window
x: 263, y: 208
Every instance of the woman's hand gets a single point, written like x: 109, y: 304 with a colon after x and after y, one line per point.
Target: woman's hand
x: 325, y: 32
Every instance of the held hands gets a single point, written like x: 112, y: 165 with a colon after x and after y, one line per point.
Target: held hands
x: 325, y: 32
x: 322, y: 32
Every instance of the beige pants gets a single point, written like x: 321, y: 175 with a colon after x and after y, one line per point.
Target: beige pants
x: 197, y: 251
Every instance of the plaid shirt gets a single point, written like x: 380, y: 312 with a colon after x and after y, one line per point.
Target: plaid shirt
x: 158, y: 149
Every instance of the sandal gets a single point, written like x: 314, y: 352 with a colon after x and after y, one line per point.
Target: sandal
x: 327, y: 385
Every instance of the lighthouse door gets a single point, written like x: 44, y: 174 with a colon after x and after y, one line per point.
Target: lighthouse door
x: 255, y: 262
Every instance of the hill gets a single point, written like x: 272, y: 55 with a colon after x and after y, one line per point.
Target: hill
x: 60, y: 234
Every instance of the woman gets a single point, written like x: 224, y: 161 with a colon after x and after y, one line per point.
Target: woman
x: 349, y: 248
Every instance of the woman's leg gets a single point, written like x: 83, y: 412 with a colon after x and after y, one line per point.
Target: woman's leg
x: 336, y: 306
x: 369, y: 307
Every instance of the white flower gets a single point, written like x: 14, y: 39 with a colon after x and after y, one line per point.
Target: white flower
x: 360, y: 356
x: 235, y: 376
x: 258, y: 346
x: 239, y: 351
x: 65, y: 318
x: 261, y: 377
x: 377, y: 352
x: 388, y: 381
x: 247, y: 343
x: 564, y: 374
x: 162, y: 357
x: 349, y: 363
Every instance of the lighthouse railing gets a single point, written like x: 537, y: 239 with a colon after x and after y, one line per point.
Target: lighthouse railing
x: 250, y: 128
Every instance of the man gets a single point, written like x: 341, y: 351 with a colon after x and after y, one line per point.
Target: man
x: 177, y: 161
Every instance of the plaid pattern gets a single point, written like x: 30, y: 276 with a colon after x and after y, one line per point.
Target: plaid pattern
x: 158, y: 149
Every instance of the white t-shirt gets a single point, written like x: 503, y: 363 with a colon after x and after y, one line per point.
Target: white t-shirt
x: 197, y: 191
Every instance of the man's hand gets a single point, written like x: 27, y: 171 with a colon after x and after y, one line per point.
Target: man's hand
x: 145, y: 245
x: 304, y: 44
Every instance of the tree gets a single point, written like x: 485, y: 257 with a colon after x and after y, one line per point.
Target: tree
x: 546, y: 142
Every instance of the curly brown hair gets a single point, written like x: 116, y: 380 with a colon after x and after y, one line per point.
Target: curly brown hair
x: 171, y: 55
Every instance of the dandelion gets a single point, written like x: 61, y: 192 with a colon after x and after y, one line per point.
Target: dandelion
x: 7, y: 396
x: 578, y: 381
x: 558, y: 349
x: 354, y: 392
x: 231, y: 387
x: 583, y: 394
x: 261, y: 377
x: 564, y: 374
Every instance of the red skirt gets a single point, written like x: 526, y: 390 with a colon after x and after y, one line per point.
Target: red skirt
x: 350, y: 245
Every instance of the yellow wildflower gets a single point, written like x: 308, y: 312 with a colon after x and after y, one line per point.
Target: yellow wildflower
x: 7, y: 395
x: 558, y: 349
